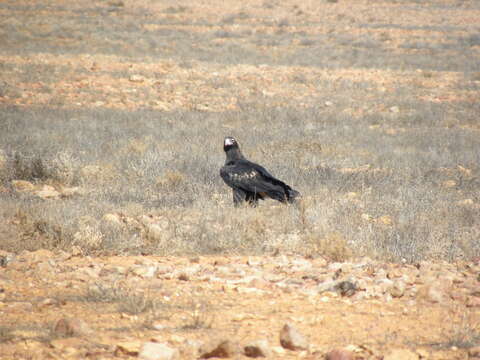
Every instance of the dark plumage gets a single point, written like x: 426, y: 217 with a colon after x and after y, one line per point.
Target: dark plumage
x: 251, y: 182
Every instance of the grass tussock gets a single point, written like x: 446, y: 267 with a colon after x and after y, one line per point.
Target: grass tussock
x: 61, y: 167
x: 130, y: 300
x: 5, y: 334
x: 463, y: 331
x: 198, y: 315
x: 466, y: 334
x: 332, y: 246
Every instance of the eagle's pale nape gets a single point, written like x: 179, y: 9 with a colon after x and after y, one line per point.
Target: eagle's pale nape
x: 251, y: 182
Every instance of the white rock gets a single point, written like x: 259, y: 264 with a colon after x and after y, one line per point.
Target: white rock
x: 22, y: 185
x: 259, y: 348
x: 158, y: 351
x: 136, y: 78
x: 47, y: 192
x: 292, y: 339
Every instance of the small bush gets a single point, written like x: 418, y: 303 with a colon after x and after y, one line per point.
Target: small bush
x: 463, y: 330
x: 6, y: 334
x: 129, y: 299
x: 332, y: 246
x: 198, y: 315
x: 62, y: 167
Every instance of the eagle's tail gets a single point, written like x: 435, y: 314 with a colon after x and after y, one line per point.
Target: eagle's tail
x: 292, y: 195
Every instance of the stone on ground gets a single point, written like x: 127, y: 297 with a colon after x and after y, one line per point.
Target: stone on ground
x: 339, y: 354
x: 219, y: 349
x: 292, y: 339
x: 158, y: 351
x: 401, y: 354
x: 259, y: 348
x: 72, y: 327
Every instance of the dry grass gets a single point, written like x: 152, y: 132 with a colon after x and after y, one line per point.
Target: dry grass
x: 198, y: 315
x: 465, y: 332
x: 130, y: 300
x: 5, y: 334
x: 400, y: 197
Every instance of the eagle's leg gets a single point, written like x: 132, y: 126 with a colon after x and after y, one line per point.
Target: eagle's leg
x: 239, y: 197
x: 252, y: 199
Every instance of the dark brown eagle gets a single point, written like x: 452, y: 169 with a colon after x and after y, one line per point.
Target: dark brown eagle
x: 251, y: 182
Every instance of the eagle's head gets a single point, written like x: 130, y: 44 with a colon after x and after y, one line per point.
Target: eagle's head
x: 229, y: 143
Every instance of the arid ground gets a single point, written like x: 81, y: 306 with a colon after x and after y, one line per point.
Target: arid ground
x: 119, y: 239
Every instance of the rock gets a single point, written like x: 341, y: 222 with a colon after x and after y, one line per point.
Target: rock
x: 423, y: 354
x: 292, y: 339
x: 48, y: 302
x: 45, y: 267
x: 72, y: 327
x: 183, y: 277
x: 222, y: 349
x: 76, y: 250
x: 22, y: 185
x: 328, y: 285
x: 34, y: 257
x: 346, y: 288
x: 112, y: 219
x: 191, y: 348
x: 144, y: 271
x: 68, y: 344
x: 398, y: 288
x: 136, y: 78
x: 158, y: 351
x: 21, y: 306
x: 474, y: 353
x: 357, y: 349
x: 6, y: 258
x: 384, y: 286
x: 401, y: 354
x: 70, y: 191
x: 155, y: 232
x: 47, y: 192
x: 433, y: 292
x: 449, y: 183
x: 91, y: 171
x: 394, y: 109
x: 339, y: 354
x: 279, y: 350
x: 466, y: 202
x: 3, y: 159
x: 259, y: 348
x: 473, y: 302
x: 25, y: 334
x: 367, y: 217
x: 385, y: 220
x: 128, y: 348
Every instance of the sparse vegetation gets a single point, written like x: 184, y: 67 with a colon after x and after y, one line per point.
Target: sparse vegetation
x: 347, y: 191
x: 5, y: 334
x: 465, y: 332
x: 130, y: 300
x: 198, y: 315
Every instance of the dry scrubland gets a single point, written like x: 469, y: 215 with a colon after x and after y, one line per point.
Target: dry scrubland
x: 112, y: 118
